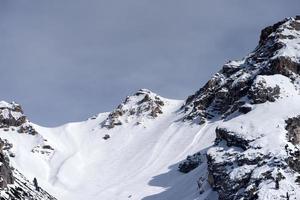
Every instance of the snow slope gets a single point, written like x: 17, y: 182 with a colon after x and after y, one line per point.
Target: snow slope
x: 138, y: 161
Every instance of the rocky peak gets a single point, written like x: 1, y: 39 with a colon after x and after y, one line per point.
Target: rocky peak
x: 278, y: 52
x: 11, y: 114
x: 277, y: 30
x: 253, y: 158
x: 12, y: 118
x: 143, y: 104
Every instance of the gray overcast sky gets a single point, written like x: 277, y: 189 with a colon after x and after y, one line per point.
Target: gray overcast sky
x: 66, y: 60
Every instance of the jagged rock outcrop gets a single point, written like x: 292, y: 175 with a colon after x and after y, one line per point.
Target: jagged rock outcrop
x: 23, y: 189
x: 141, y: 105
x: 240, y: 170
x: 261, y: 92
x: 6, y: 176
x: 232, y: 138
x: 11, y: 115
x: 13, y: 185
x: 12, y: 118
x: 293, y: 128
x: 245, y: 109
x: 292, y: 149
x: 234, y: 85
x: 190, y: 163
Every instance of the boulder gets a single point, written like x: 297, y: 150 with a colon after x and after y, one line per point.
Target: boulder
x: 190, y: 163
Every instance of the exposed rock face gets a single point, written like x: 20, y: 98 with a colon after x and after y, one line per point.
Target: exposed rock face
x: 190, y: 163
x: 293, y: 136
x: 237, y: 170
x: 231, y: 138
x: 233, y: 85
x: 285, y: 66
x: 23, y: 189
x: 12, y: 117
x: 13, y: 185
x: 293, y: 128
x: 245, y: 109
x: 143, y: 104
x: 260, y: 92
x: 6, y: 176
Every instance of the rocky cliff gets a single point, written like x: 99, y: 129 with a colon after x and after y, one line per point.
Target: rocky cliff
x: 255, y: 101
x: 239, y: 83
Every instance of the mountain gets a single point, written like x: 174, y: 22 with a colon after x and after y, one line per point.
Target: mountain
x: 237, y: 137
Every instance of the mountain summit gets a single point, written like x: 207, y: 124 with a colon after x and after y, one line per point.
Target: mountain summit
x: 143, y: 104
x: 236, y: 138
x: 278, y: 52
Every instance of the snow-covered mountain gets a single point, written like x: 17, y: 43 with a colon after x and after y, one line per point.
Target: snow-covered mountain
x: 236, y: 138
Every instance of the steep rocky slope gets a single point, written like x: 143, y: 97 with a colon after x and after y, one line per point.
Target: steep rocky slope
x: 256, y: 101
x: 277, y: 53
x: 13, y: 184
x: 236, y: 138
